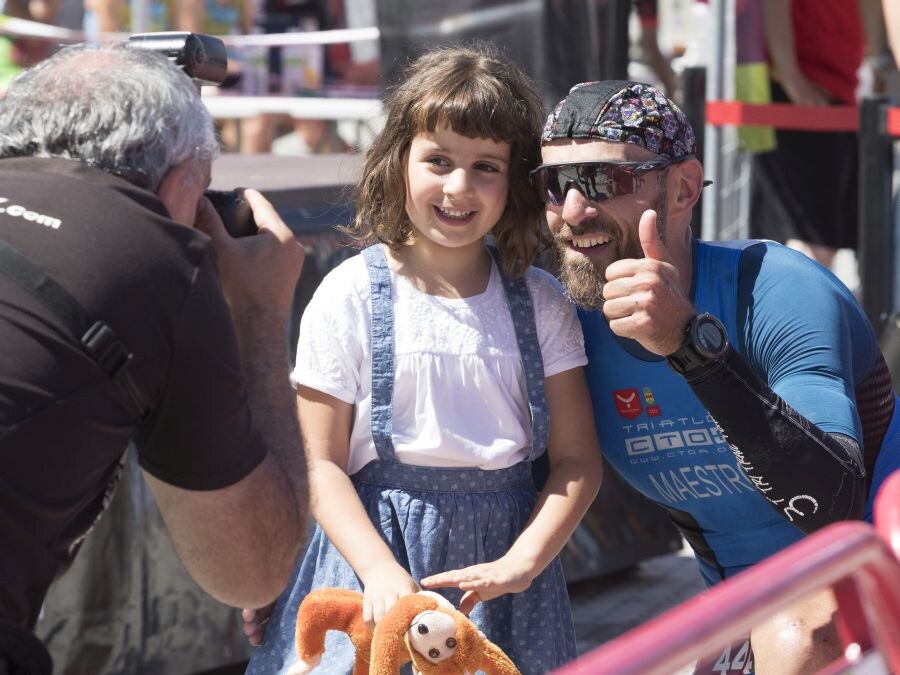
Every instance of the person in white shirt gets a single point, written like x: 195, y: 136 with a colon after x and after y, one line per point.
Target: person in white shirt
x: 432, y: 370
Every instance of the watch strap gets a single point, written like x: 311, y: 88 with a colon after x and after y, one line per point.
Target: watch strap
x: 687, y: 359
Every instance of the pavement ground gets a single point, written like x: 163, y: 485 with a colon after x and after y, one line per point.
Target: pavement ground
x: 606, y: 607
x: 609, y: 606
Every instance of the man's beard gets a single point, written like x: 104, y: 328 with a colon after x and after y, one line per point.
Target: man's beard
x: 582, y: 281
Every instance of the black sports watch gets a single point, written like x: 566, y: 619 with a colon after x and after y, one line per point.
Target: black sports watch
x: 705, y: 343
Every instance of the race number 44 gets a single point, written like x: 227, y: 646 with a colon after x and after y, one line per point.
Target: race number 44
x: 734, y: 659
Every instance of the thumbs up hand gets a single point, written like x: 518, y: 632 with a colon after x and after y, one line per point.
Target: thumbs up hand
x: 643, y: 297
x: 648, y: 233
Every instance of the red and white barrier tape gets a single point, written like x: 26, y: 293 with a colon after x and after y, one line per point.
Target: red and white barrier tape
x: 23, y: 28
x: 33, y: 29
x: 362, y: 110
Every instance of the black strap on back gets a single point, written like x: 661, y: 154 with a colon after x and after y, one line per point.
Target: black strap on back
x: 96, y: 338
x: 21, y: 653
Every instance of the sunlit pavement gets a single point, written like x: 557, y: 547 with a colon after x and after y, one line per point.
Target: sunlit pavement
x: 609, y: 606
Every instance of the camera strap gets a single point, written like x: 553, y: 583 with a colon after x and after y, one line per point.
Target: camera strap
x: 96, y: 338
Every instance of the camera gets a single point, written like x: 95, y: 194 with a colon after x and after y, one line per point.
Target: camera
x: 205, y: 60
x: 235, y: 212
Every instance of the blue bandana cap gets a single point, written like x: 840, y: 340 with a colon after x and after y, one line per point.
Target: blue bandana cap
x: 623, y: 112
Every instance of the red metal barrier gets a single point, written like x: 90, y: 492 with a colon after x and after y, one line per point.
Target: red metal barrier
x: 851, y: 557
x: 893, y: 122
x: 790, y: 116
x: 887, y: 512
x: 783, y: 116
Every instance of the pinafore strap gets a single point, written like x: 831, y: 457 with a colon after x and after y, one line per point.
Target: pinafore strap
x: 522, y: 310
x: 382, y: 351
x: 382, y: 331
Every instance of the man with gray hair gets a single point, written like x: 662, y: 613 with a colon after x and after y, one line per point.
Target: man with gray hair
x: 127, y: 313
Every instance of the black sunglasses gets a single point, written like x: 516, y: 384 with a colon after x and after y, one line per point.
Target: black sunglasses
x: 597, y: 181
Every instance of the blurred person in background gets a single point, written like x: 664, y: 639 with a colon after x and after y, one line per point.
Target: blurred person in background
x: 21, y: 52
x: 804, y: 192
x: 892, y: 21
x: 593, y: 40
x: 648, y: 15
x: 212, y: 17
x: 298, y: 70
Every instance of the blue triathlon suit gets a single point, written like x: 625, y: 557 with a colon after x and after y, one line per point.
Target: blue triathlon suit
x: 803, y: 333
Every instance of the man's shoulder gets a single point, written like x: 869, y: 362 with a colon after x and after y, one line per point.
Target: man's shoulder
x: 52, y: 173
x: 778, y: 286
x: 772, y: 250
x: 761, y: 259
x: 109, y: 244
x: 738, y: 245
x: 755, y: 260
x: 53, y: 202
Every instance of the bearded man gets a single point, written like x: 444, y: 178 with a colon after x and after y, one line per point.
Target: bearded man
x: 737, y: 384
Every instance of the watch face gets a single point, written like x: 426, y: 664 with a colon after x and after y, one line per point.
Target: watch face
x: 710, y: 336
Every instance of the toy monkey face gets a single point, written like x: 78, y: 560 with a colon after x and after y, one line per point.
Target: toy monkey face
x: 433, y: 635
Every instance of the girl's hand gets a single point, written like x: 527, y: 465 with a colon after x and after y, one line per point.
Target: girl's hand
x: 384, y: 584
x: 255, y: 621
x: 485, y: 581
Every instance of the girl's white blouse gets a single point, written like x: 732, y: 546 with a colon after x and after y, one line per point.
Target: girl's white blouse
x: 459, y: 388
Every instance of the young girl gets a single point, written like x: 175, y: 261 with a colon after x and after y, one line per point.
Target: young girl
x: 431, y: 371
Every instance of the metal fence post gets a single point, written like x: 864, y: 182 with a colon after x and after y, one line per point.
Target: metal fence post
x: 693, y: 97
x: 876, y: 228
x: 715, y: 91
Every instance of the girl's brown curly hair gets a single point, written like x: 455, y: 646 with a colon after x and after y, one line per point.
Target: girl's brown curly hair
x: 476, y: 92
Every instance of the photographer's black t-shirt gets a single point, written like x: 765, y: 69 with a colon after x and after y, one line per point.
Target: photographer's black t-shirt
x: 64, y: 423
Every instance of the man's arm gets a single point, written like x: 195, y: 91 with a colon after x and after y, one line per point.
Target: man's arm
x: 811, y: 478
x: 240, y: 542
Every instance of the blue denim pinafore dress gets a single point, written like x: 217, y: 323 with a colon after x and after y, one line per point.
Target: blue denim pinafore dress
x: 438, y: 519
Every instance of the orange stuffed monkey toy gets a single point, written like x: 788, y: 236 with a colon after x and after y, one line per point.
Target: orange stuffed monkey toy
x: 423, y: 628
